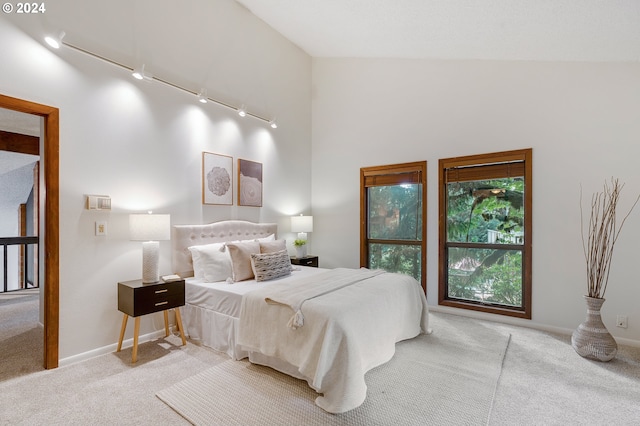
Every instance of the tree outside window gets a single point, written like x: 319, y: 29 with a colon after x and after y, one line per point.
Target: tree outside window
x: 393, y: 235
x: 485, y: 247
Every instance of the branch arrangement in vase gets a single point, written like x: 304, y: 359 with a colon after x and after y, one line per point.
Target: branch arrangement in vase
x: 601, y: 235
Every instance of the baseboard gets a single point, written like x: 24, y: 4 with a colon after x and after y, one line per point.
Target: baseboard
x: 519, y: 322
x: 112, y: 348
x: 444, y: 309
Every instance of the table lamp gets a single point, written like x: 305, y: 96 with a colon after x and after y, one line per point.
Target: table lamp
x: 302, y: 224
x: 150, y: 228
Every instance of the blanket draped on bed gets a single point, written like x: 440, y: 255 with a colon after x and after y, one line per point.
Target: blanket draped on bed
x: 347, y: 331
x: 294, y: 296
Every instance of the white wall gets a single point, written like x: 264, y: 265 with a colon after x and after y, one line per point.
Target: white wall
x: 142, y: 143
x: 581, y: 119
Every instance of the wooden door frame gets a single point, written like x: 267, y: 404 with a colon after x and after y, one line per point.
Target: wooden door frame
x: 50, y: 160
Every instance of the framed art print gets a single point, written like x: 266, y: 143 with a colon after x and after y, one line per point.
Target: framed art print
x: 249, y: 183
x: 217, y: 181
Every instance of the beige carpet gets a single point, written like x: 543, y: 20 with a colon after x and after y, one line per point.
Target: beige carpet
x: 21, y: 336
x: 459, y: 365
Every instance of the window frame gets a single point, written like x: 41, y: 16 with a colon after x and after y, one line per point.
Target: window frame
x: 393, y: 174
x: 496, y: 161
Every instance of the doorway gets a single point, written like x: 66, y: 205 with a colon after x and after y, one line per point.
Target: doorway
x: 49, y: 224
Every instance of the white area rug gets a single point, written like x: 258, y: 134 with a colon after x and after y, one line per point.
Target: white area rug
x: 448, y: 377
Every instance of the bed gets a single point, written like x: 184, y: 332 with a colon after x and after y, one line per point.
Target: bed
x: 328, y: 327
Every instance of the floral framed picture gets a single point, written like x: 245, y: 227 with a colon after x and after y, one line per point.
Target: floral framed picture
x: 217, y: 179
x: 249, y: 183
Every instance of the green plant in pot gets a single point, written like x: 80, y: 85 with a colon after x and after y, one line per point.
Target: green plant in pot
x: 592, y: 339
x: 301, y: 248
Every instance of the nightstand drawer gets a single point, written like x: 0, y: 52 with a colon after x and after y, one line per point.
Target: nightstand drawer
x: 158, y: 303
x: 305, y: 261
x: 136, y: 299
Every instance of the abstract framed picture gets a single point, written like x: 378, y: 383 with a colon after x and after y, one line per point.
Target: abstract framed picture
x: 217, y: 179
x: 249, y: 183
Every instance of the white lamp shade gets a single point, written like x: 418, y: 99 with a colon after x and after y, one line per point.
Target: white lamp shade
x: 301, y: 223
x: 149, y: 227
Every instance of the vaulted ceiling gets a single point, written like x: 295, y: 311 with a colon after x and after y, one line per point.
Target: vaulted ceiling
x: 186, y: 41
x: 529, y: 30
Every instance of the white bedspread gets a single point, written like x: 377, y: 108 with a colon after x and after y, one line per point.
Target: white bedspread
x: 212, y: 310
x: 295, y: 294
x: 346, y: 333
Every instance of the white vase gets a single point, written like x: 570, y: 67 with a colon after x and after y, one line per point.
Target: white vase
x: 301, y: 251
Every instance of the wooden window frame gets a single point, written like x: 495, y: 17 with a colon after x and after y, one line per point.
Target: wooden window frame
x: 497, y: 164
x: 394, y: 174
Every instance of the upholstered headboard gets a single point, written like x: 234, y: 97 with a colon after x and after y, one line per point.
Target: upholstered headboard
x: 185, y: 236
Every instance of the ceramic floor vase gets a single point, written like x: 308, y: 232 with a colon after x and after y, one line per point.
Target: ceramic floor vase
x: 591, y: 339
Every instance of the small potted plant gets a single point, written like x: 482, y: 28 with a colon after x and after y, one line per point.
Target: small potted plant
x: 301, y: 248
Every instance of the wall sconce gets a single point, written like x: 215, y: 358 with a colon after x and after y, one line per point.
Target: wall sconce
x: 150, y: 228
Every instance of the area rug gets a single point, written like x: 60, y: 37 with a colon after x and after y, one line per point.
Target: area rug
x: 448, y: 377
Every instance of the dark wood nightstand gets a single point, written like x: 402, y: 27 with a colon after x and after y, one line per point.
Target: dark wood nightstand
x: 305, y: 261
x: 136, y: 299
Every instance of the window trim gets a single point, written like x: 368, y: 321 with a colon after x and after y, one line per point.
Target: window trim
x: 498, y: 159
x: 415, y: 172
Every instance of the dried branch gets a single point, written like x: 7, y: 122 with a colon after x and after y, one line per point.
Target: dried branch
x: 602, y: 233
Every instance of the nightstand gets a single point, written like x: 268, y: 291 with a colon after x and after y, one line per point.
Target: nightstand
x: 305, y: 261
x: 136, y: 299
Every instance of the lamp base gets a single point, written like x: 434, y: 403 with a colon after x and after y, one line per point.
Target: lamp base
x: 150, y: 262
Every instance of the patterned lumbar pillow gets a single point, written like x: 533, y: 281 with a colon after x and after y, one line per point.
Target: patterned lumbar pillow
x: 267, y: 266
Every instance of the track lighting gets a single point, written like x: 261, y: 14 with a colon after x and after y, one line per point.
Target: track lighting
x: 142, y: 74
x: 55, y: 41
x: 202, y: 96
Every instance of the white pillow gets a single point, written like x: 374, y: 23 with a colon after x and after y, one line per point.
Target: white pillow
x: 270, y: 237
x: 271, y: 246
x: 211, y: 262
x: 267, y: 266
x: 241, y: 259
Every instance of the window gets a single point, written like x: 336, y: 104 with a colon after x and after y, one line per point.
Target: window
x: 392, y: 215
x: 485, y: 233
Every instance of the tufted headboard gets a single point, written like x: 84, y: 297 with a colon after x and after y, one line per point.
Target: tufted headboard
x: 185, y: 236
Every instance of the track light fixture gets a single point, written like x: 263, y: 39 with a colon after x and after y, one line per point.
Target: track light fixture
x: 142, y: 74
x: 55, y: 41
x: 202, y: 96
